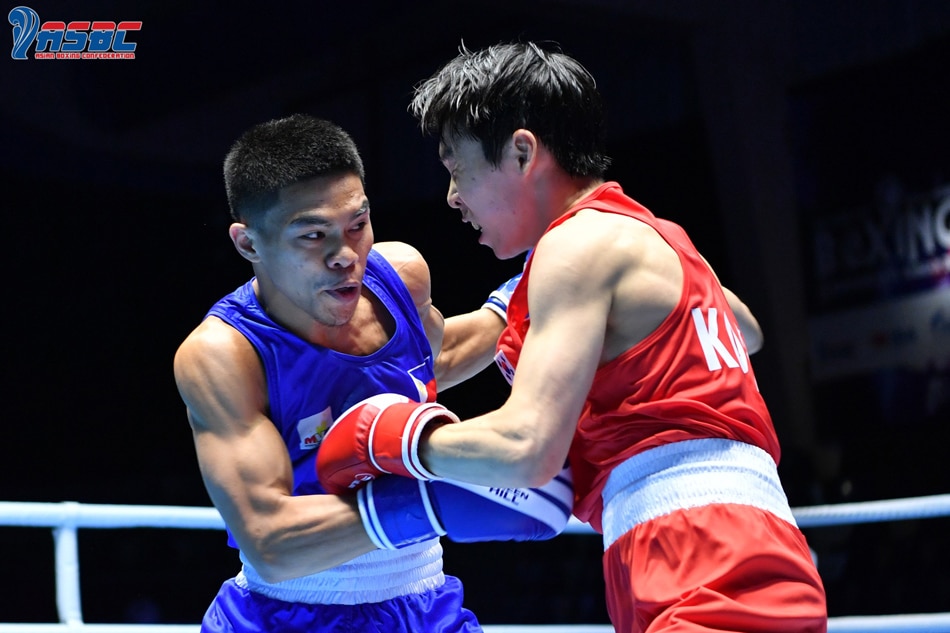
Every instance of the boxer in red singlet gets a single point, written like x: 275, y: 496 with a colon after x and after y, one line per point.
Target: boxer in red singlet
x: 625, y: 354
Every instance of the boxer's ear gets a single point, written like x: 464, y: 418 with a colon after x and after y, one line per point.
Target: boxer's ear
x: 244, y: 241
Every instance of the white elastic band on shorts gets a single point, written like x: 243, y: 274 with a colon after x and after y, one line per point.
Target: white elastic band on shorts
x: 373, y: 577
x: 690, y: 474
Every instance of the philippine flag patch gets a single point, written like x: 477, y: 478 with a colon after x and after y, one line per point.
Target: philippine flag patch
x: 312, y: 428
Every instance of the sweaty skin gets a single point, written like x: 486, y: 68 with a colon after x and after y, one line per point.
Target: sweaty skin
x: 309, y: 259
x: 623, y: 281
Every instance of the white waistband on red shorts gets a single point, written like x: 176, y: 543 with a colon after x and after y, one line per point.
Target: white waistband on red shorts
x: 690, y: 474
x: 373, y: 577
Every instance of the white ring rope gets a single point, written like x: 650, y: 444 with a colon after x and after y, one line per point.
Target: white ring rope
x: 873, y: 511
x: 66, y: 517
x: 70, y: 513
x: 87, y: 515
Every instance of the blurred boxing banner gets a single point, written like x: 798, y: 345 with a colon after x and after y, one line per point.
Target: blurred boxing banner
x: 873, y: 178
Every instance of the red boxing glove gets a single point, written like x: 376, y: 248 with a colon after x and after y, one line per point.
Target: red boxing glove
x: 377, y: 436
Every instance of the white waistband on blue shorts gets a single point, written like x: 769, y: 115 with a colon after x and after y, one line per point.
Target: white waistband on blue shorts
x: 690, y: 474
x: 373, y: 577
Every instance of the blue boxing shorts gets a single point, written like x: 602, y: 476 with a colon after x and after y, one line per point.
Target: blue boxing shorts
x: 402, y: 591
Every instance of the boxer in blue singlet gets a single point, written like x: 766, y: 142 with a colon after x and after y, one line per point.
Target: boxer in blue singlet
x: 328, y: 320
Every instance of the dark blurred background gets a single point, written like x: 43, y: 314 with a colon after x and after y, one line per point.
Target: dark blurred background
x: 805, y: 146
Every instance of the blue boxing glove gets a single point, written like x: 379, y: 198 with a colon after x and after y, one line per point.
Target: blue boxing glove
x: 399, y: 511
x: 499, y: 298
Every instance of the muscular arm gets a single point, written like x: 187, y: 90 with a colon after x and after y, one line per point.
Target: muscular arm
x: 245, y: 465
x: 525, y: 442
x: 748, y: 324
x: 462, y: 345
x: 468, y: 346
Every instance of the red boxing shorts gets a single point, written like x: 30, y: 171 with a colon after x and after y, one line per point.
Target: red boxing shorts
x: 714, y: 568
x: 698, y: 536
